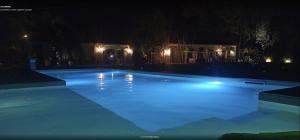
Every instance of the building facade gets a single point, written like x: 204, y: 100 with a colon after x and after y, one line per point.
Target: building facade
x: 194, y: 53
x: 100, y: 53
x: 171, y: 53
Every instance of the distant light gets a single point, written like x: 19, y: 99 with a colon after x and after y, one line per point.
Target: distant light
x: 99, y: 48
x: 25, y: 36
x: 111, y: 56
x: 287, y: 60
x: 216, y: 82
x: 219, y: 51
x: 232, y: 53
x: 167, y: 52
x: 268, y: 59
x: 128, y: 50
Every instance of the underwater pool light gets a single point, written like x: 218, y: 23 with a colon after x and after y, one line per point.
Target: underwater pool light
x: 216, y: 82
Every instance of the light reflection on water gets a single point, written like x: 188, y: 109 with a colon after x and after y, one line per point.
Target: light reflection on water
x: 101, y: 77
x: 103, y: 80
x: 112, y: 76
x: 129, y: 79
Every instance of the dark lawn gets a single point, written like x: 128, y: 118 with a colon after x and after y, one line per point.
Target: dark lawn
x: 14, y: 75
x: 294, y: 92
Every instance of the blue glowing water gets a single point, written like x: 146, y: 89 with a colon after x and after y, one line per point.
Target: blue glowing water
x: 155, y: 102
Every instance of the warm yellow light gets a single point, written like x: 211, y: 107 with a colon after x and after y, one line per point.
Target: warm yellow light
x: 232, y: 53
x: 25, y: 36
x: 287, y: 60
x: 128, y: 50
x: 167, y: 52
x: 268, y: 59
x: 99, y: 49
x: 219, y: 51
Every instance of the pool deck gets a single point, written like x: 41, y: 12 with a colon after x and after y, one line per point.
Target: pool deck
x: 58, y: 112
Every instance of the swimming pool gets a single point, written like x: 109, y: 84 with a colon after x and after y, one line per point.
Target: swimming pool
x: 155, y: 101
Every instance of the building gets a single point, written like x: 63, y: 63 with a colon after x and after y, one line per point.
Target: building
x: 174, y: 53
x: 103, y: 53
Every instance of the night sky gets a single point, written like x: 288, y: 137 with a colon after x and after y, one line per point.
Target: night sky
x: 113, y: 21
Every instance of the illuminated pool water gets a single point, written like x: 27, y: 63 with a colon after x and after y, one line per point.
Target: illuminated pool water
x: 154, y: 101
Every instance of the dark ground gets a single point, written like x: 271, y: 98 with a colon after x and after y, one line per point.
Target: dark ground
x: 19, y: 75
x: 294, y: 92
